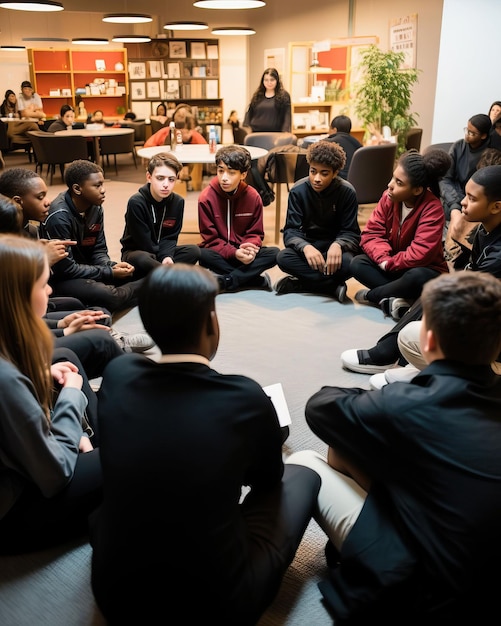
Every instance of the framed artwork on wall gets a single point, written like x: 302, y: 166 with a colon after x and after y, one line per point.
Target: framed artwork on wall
x: 138, y: 91
x: 177, y: 49
x: 137, y: 70
x: 197, y: 50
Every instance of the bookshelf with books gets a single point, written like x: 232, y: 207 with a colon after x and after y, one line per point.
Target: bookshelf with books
x: 99, y: 78
x: 174, y: 71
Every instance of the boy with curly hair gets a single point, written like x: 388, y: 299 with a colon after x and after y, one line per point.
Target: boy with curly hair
x: 321, y: 232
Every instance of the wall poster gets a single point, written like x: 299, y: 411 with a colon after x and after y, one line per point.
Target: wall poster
x: 403, y: 38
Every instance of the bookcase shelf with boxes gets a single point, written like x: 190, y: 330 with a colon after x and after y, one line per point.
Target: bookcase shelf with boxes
x: 174, y: 71
x: 68, y: 76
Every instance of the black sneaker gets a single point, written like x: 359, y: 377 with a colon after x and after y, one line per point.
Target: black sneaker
x: 225, y: 283
x: 260, y: 282
x: 395, y: 308
x: 340, y: 292
x: 288, y: 284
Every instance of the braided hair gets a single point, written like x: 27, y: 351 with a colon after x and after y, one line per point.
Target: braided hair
x: 425, y: 170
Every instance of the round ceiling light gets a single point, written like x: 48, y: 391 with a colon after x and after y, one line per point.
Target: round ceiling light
x: 90, y: 41
x: 233, y: 30
x: 186, y: 26
x: 131, y: 38
x: 39, y: 5
x: 127, y: 18
x: 229, y: 4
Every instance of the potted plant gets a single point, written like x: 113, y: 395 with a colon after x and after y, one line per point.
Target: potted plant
x: 383, y: 95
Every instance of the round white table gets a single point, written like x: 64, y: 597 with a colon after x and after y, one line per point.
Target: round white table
x: 95, y: 133
x: 195, y: 152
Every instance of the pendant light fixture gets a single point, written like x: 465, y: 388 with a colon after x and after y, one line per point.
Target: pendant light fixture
x: 131, y: 38
x: 90, y: 41
x: 127, y: 18
x: 12, y: 48
x: 233, y: 30
x: 229, y: 4
x: 32, y: 5
x: 186, y: 25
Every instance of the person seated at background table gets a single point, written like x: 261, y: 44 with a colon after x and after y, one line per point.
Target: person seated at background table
x: 87, y: 273
x: 50, y: 473
x: 270, y: 106
x: 340, y: 133
x: 65, y: 121
x: 161, y: 114
x: 319, y: 241
x: 412, y: 480
x: 230, y: 218
x: 196, y: 437
x: 16, y: 131
x: 98, y: 118
x: 154, y: 219
x: 402, y: 242
x: 30, y: 103
x: 465, y: 154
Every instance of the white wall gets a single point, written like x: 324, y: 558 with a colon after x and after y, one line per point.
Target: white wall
x: 468, y: 73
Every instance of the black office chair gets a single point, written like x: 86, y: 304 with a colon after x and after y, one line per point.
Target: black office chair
x: 371, y: 169
x: 439, y: 146
x: 413, y: 139
x: 156, y: 126
x: 52, y: 150
x: 116, y: 144
x: 239, y: 135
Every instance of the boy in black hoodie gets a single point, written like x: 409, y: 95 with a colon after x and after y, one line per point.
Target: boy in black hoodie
x: 154, y: 219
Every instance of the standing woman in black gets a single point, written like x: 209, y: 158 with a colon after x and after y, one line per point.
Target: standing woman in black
x: 270, y: 107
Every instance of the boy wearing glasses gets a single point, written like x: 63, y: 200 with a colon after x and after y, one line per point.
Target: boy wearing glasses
x: 465, y: 154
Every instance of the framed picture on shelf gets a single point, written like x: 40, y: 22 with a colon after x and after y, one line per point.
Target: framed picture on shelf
x: 212, y: 51
x: 155, y: 69
x: 137, y: 70
x: 153, y: 89
x: 172, y: 90
x: 100, y: 65
x: 173, y: 70
x: 177, y: 49
x: 138, y: 91
x: 197, y: 50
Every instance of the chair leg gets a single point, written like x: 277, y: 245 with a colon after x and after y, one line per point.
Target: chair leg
x: 115, y: 161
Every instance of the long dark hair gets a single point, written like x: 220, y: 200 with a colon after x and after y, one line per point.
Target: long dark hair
x: 260, y: 92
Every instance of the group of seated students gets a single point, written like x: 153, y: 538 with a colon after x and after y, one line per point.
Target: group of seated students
x: 408, y: 493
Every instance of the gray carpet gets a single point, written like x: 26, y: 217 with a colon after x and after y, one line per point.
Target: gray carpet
x: 294, y: 339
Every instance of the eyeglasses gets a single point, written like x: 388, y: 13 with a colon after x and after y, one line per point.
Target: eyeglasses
x: 470, y: 133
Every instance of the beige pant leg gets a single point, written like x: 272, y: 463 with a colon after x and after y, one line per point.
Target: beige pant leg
x: 409, y: 346
x: 340, y: 498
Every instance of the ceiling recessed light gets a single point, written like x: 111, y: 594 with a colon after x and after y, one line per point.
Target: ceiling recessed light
x: 127, y: 18
x: 90, y: 41
x: 131, y: 38
x: 32, y: 5
x: 229, y: 4
x: 233, y: 30
x: 186, y: 26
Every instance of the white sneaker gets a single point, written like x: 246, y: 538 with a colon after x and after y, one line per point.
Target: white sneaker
x: 393, y: 375
x: 138, y: 342
x: 351, y: 361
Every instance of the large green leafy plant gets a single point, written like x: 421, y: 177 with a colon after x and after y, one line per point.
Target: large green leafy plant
x: 383, y: 95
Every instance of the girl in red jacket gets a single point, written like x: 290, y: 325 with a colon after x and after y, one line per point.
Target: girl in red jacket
x: 402, y: 241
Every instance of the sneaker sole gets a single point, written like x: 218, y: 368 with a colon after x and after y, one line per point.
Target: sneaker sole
x: 367, y: 369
